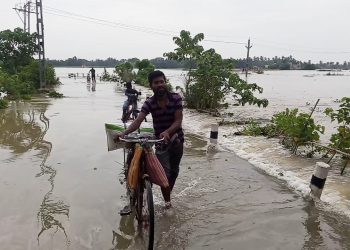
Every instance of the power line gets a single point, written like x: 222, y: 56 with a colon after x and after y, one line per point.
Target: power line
x: 171, y: 33
x: 150, y: 30
x: 118, y: 24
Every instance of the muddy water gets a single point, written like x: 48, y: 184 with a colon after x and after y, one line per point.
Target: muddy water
x: 61, y: 189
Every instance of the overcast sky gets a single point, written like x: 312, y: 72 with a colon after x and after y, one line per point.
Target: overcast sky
x: 306, y: 29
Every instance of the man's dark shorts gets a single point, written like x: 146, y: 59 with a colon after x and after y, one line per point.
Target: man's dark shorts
x: 170, y: 160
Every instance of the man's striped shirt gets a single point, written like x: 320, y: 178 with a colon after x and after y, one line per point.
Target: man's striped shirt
x: 163, y: 118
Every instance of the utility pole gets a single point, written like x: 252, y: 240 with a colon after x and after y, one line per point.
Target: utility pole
x: 247, y: 61
x: 29, y: 12
x: 41, y: 47
x: 26, y: 10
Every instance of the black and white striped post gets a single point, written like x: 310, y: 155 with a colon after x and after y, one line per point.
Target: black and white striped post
x: 318, y: 179
x: 213, y: 138
x: 214, y: 133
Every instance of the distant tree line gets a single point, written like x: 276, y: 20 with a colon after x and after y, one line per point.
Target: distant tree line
x: 287, y: 63
x: 159, y: 62
x: 280, y: 63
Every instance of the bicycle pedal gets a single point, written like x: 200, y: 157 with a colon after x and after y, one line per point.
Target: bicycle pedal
x: 125, y: 211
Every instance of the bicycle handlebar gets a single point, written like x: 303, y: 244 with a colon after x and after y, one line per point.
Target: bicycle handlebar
x: 140, y: 139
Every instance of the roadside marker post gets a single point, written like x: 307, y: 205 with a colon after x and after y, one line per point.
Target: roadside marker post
x: 318, y: 179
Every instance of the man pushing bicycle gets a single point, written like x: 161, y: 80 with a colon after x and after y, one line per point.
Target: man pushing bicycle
x: 166, y: 110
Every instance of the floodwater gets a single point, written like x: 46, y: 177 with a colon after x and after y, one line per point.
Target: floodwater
x: 61, y: 189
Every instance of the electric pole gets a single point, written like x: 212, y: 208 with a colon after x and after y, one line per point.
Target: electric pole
x: 247, y: 61
x: 41, y: 47
x: 29, y: 12
x: 26, y: 9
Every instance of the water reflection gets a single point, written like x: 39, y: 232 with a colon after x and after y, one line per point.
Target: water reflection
x: 23, y: 127
x: 123, y: 237
x: 312, y: 225
x: 18, y: 130
x: 50, y: 210
x: 320, y: 235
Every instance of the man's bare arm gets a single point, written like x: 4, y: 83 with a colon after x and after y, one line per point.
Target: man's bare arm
x: 135, y: 124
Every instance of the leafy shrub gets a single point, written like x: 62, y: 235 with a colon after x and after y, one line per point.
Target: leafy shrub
x: 298, y: 128
x: 341, y: 140
x: 55, y: 94
x: 3, y: 103
x: 30, y: 75
x: 144, y: 68
x: 125, y: 72
x: 255, y: 129
x: 14, y: 87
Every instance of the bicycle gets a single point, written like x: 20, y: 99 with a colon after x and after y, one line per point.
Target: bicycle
x: 131, y: 113
x: 141, y: 198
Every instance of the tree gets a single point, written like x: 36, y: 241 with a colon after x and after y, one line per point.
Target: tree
x: 30, y: 75
x: 144, y: 68
x: 188, y: 50
x: 16, y: 49
x: 213, y: 79
x: 125, y: 71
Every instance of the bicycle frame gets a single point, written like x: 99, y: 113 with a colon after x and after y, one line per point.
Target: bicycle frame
x: 143, y: 190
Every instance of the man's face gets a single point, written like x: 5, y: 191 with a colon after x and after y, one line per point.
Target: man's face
x: 159, y: 86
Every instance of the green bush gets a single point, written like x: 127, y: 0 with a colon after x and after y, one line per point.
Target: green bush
x: 55, y: 94
x: 125, y: 72
x: 30, y: 74
x: 299, y: 129
x: 3, y: 104
x: 144, y: 68
x: 255, y: 129
x: 341, y: 140
x: 14, y: 87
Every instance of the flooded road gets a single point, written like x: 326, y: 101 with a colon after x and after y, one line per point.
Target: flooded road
x: 61, y: 189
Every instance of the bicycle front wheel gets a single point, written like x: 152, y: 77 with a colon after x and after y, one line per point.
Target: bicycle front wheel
x: 146, y: 215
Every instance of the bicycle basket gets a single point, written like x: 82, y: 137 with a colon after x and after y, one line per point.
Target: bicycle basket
x: 155, y: 169
x: 134, y: 171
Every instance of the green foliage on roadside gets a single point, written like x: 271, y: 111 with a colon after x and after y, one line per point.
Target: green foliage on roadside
x: 14, y: 87
x: 256, y: 129
x: 125, y: 71
x: 3, y: 103
x: 25, y: 83
x: 252, y: 129
x: 19, y: 72
x: 144, y: 68
x: 16, y: 49
x: 341, y: 140
x: 210, y: 78
x: 30, y: 74
x: 54, y: 94
x: 297, y: 128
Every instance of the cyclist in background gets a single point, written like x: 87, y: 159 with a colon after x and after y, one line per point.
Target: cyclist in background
x: 166, y: 110
x: 132, y: 95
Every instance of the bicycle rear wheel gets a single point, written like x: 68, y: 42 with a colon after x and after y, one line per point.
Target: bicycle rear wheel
x: 145, y: 214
